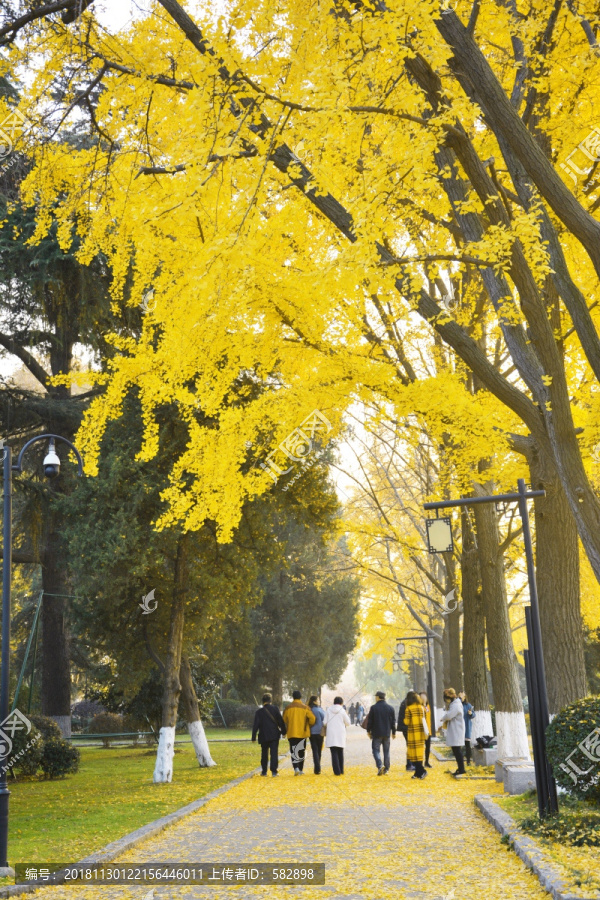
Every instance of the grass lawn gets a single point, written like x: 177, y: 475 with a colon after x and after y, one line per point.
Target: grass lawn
x: 578, y: 823
x: 111, y: 795
x: 228, y: 734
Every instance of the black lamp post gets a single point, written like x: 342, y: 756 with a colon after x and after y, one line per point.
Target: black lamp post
x: 51, y: 467
x: 534, y: 655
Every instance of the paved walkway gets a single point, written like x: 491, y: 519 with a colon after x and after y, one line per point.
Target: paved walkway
x: 381, y: 838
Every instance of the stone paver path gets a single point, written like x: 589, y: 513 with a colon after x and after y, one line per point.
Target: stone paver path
x: 381, y: 838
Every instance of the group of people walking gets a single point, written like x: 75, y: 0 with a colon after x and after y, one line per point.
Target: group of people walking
x: 414, y: 721
x: 302, y: 722
x: 356, y: 711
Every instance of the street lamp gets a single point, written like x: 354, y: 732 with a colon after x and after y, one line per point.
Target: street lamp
x: 439, y: 535
x: 51, y: 466
x: 534, y: 655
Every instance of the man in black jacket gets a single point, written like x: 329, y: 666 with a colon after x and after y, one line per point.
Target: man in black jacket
x: 381, y: 722
x: 269, y: 724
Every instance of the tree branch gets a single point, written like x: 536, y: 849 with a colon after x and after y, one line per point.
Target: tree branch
x: 71, y: 10
x: 26, y: 358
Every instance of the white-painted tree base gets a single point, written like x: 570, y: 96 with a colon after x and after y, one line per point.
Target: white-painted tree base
x: 196, y: 730
x: 64, y: 723
x: 481, y: 724
x: 163, y: 770
x: 512, y: 735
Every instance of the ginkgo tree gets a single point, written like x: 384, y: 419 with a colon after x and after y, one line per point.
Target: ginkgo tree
x: 299, y: 186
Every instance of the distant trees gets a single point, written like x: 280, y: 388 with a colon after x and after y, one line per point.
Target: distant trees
x: 305, y: 625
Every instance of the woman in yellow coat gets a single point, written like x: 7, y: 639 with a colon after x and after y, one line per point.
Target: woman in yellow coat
x: 415, y: 741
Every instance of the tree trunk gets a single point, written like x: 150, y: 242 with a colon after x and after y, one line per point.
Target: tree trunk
x: 557, y: 575
x: 56, y: 667
x: 277, y: 688
x: 163, y: 770
x: 510, y: 718
x: 192, y: 715
x: 474, y: 633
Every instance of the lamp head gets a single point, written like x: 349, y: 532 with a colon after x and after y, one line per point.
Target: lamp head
x: 51, y: 461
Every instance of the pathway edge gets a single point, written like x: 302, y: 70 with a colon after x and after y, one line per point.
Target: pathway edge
x: 526, y: 848
x: 115, y: 848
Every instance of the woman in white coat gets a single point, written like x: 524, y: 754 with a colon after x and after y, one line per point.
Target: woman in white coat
x: 455, y: 727
x: 336, y: 721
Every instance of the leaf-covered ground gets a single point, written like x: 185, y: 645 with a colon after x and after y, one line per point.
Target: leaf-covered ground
x: 381, y: 838
x: 564, y: 841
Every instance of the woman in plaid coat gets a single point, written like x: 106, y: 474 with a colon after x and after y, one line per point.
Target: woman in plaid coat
x: 415, y: 741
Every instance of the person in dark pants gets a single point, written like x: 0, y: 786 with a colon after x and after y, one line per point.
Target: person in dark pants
x: 381, y: 722
x: 352, y: 713
x: 425, y: 700
x: 454, y: 720
x: 403, y: 729
x: 469, y: 714
x: 336, y: 722
x: 298, y: 721
x: 316, y: 738
x: 414, y: 717
x: 269, y: 725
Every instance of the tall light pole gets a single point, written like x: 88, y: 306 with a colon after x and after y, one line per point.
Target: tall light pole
x: 534, y: 655
x: 51, y: 467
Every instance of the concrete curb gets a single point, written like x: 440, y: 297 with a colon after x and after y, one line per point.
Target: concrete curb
x: 525, y: 848
x: 116, y: 848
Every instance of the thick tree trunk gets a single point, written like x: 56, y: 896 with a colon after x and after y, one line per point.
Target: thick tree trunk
x: 192, y: 715
x: 277, y: 682
x: 510, y: 718
x: 557, y: 575
x: 56, y: 667
x: 474, y: 634
x: 163, y: 770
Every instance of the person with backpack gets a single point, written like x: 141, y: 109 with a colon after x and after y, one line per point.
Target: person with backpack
x: 417, y: 731
x: 360, y: 712
x: 381, y: 723
x: 404, y: 731
x: 316, y: 738
x: 454, y: 720
x: 469, y: 714
x: 269, y: 726
x: 298, y: 720
x: 336, y: 722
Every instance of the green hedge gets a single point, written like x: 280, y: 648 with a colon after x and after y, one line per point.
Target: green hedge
x: 59, y: 758
x: 573, y: 743
x: 43, y: 748
x: 235, y: 713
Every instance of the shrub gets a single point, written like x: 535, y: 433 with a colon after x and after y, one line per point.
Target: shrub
x: 87, y: 709
x: 26, y: 751
x: 47, y: 726
x: 106, y: 723
x: 573, y: 827
x: 235, y: 713
x: 245, y: 715
x: 59, y: 758
x: 229, y: 710
x: 575, y: 727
